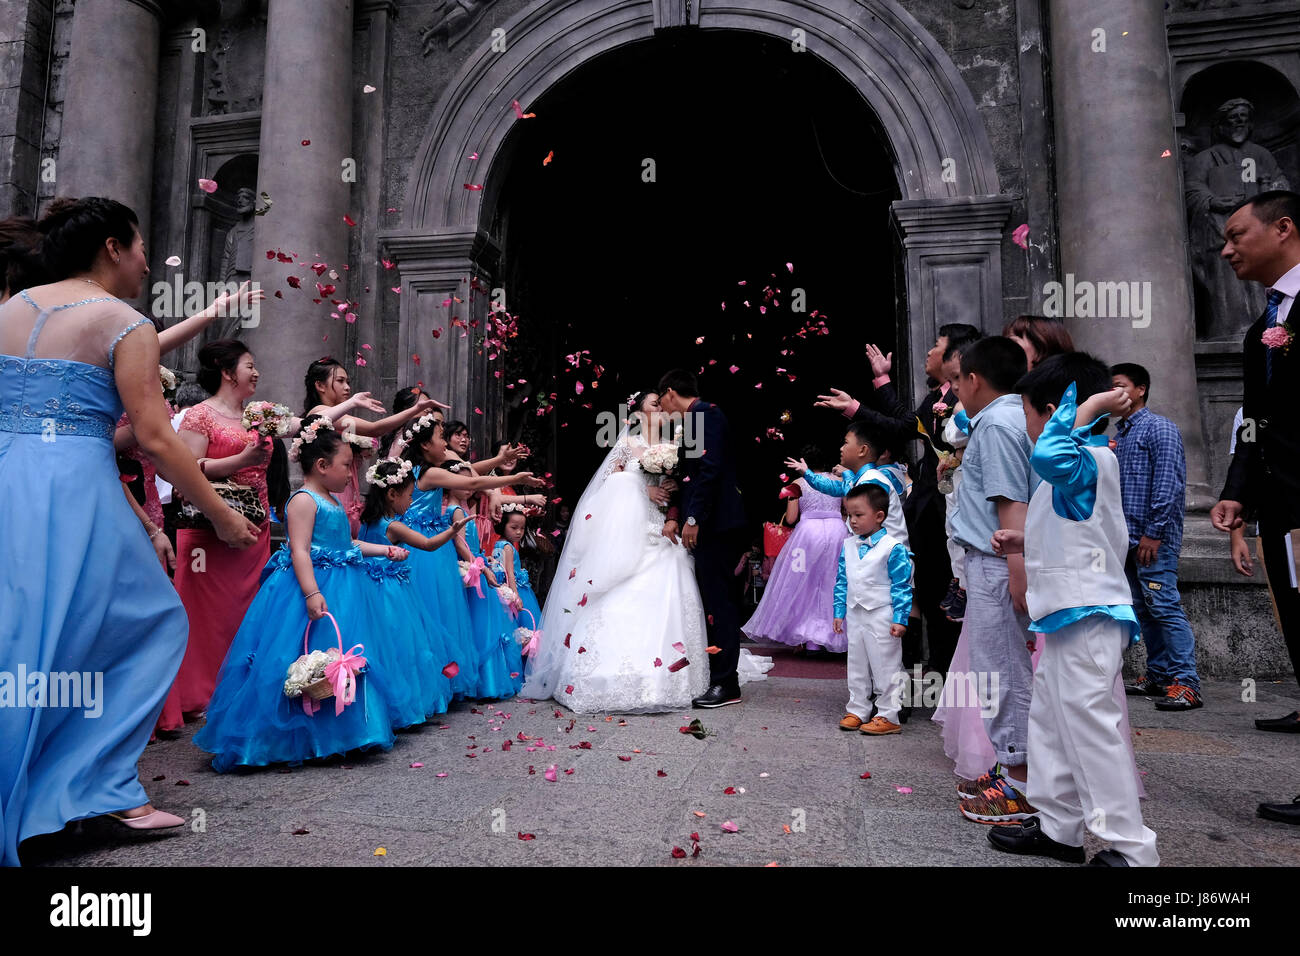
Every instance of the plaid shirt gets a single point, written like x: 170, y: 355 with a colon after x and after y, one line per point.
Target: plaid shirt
x: 1152, y: 477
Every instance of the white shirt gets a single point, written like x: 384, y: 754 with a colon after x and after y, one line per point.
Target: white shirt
x: 1289, y: 286
x: 164, y: 488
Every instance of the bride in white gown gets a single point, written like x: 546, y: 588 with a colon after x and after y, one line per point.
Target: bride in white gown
x: 623, y: 625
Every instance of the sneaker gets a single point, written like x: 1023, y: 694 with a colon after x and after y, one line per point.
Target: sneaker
x: 970, y: 789
x: 957, y: 607
x: 1180, y: 697
x: 1000, y: 804
x: 1146, y: 687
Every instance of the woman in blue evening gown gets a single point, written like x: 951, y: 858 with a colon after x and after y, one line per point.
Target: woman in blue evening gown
x: 89, y: 616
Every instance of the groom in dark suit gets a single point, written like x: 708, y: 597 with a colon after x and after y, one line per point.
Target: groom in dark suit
x: 1263, y: 243
x: 707, y: 509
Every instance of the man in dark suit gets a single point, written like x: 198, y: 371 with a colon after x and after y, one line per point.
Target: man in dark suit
x: 708, y: 510
x: 1263, y: 244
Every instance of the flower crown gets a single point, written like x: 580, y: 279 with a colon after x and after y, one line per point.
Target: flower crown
x: 424, y: 421
x: 308, y: 435
x: 398, y: 477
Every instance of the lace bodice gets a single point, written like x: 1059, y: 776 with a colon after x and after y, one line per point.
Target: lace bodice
x: 626, y: 460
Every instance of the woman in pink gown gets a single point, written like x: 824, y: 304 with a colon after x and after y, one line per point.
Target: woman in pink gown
x: 217, y: 583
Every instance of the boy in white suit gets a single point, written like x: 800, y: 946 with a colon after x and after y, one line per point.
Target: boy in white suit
x: 1075, y: 542
x: 873, y: 598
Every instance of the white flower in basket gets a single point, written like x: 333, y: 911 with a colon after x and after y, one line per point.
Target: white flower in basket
x: 319, y: 675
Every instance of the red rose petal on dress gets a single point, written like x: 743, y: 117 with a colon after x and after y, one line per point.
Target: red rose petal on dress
x: 569, y: 689
x: 679, y: 647
x: 582, y: 650
x: 659, y: 663
x: 583, y: 602
x: 679, y: 853
x: 566, y: 639
x: 677, y: 665
x: 451, y: 670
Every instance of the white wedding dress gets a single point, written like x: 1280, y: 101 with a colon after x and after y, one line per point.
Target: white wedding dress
x: 623, y: 626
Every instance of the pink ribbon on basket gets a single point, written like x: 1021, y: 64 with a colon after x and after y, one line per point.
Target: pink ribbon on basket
x: 534, y: 636
x: 473, y: 575
x: 341, y: 672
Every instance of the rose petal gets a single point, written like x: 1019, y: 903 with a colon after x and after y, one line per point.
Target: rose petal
x: 380, y: 851
x: 172, y: 261
x: 416, y: 766
x: 678, y: 853
x: 451, y: 670
x: 729, y: 827
x: 699, y: 813
x: 864, y: 775
x: 440, y: 774
x: 349, y: 220
x: 208, y: 185
x: 730, y: 791
x: 660, y: 773
x: 527, y: 836
x: 679, y: 647
x: 550, y: 773
x: 903, y: 789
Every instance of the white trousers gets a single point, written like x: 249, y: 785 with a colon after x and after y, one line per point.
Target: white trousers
x: 875, y: 662
x: 1080, y: 775
x: 956, y: 553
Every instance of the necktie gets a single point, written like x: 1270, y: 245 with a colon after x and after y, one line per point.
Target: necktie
x: 1275, y: 297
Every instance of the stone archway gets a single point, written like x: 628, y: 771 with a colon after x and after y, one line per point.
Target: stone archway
x: 950, y: 218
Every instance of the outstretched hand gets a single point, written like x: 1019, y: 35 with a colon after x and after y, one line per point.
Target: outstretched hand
x: 880, y: 362
x: 837, y: 400
x: 797, y: 464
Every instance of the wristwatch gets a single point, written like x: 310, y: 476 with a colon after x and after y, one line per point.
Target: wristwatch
x: 691, y: 521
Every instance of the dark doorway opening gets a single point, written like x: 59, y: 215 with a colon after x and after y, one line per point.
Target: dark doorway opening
x: 761, y: 157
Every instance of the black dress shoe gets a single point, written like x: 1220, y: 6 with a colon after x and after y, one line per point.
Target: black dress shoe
x: 1281, y: 812
x: 903, y: 714
x: 1108, y: 858
x: 1028, y: 838
x: 1290, y: 724
x: 717, y: 696
x: 1146, y: 687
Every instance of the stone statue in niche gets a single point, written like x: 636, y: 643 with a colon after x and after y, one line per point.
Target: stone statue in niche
x: 1217, y: 180
x: 237, y: 258
x: 452, y: 20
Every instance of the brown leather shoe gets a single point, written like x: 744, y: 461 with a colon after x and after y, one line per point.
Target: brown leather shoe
x: 851, y: 722
x: 879, y: 726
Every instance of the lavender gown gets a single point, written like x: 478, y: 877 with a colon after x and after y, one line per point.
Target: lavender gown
x: 797, y: 605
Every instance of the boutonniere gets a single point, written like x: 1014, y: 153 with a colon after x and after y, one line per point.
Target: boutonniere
x: 940, y: 409
x: 1278, y: 337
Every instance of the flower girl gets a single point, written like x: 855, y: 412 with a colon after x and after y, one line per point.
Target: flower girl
x: 391, y: 484
x: 501, y: 666
x: 255, y: 717
x: 505, y: 561
x: 435, y: 573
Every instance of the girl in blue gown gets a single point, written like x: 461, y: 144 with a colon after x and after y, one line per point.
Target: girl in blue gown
x: 391, y: 485
x: 505, y: 559
x: 436, y: 573
x: 251, y: 721
x: 501, y: 668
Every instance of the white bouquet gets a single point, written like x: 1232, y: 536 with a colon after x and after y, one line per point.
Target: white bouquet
x: 660, y: 459
x: 512, y: 602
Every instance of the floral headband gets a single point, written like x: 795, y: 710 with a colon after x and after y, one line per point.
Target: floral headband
x: 308, y: 435
x: 398, y: 477
x: 424, y: 421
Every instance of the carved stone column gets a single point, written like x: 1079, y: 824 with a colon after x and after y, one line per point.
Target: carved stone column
x: 106, y: 146
x: 951, y: 251
x: 1120, y: 203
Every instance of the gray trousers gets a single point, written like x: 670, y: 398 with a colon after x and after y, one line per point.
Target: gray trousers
x: 998, y: 638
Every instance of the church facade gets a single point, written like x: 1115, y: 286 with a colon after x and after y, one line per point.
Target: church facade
x: 1064, y: 158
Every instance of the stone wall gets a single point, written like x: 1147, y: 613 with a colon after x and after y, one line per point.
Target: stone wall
x: 24, y: 62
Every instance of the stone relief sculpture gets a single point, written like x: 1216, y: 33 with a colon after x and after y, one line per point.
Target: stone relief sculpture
x: 237, y: 258
x: 452, y: 20
x: 1217, y: 180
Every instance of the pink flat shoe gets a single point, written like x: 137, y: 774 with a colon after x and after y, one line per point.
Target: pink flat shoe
x: 158, y: 820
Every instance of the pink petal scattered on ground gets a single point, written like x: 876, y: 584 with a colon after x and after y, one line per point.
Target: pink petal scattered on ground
x: 660, y: 773
x: 416, y: 766
x: 678, y: 853
x: 729, y: 827
x: 527, y: 836
x: 865, y: 775
x: 550, y: 774
x: 730, y: 791
x: 903, y: 789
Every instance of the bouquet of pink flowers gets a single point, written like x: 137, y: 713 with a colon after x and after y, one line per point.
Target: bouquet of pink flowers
x: 513, y: 603
x: 267, y: 419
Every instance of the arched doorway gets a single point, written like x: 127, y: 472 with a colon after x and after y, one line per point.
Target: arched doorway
x: 913, y: 120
